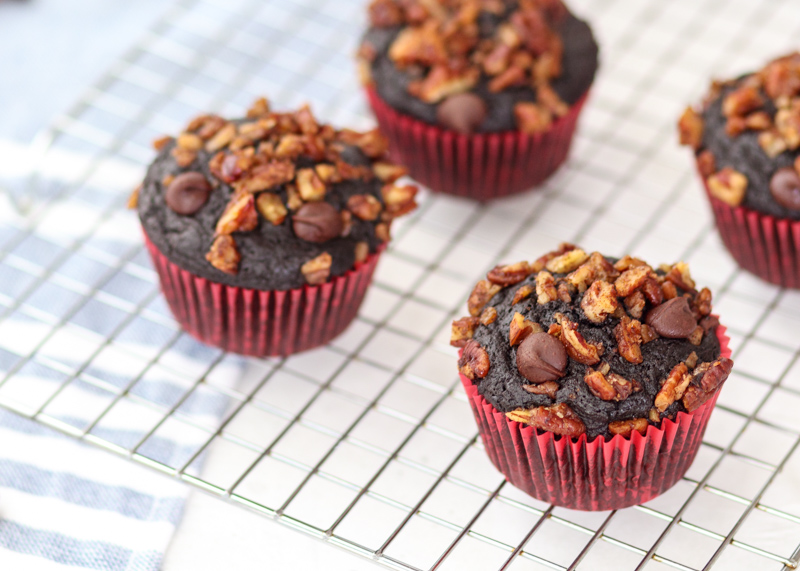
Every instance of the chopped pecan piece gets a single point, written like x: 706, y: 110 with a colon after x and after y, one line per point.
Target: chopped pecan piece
x: 772, y: 143
x: 309, y: 185
x: 293, y: 200
x: 652, y: 290
x: 221, y: 139
x: 443, y: 81
x: 577, y: 347
x: 629, y: 339
x: 599, y: 301
x: 567, y: 261
x: 628, y: 262
x: 648, y: 333
x: 497, y: 60
x: 328, y: 173
x: 668, y: 290
x: 510, y: 274
x: 382, y: 232
x: 474, y: 360
x: 514, y: 75
x: 362, y: 252
x: 239, y: 215
x: 697, y: 336
x: 706, y: 163
x: 741, y: 101
x: 787, y: 122
x: 423, y: 45
x: 389, y: 172
x: 558, y: 419
x: 758, y: 121
x: 483, y: 292
x: 488, y: 316
x: 679, y: 275
x: 545, y: 288
x: 673, y: 387
x: 690, y: 128
x: 223, y: 254
x: 462, y: 330
x: 317, y: 270
x: 183, y: 157
x: 260, y: 108
x: 711, y: 376
x: 532, y: 118
x: 548, y: 388
x: 266, y: 177
x: 635, y: 304
x: 702, y: 303
x: 691, y: 360
x: 365, y: 206
x: 608, y: 386
x: 189, y: 142
x: 728, y: 186
x: 632, y: 279
x: 399, y: 200
x: 565, y: 292
x: 522, y: 294
x: 162, y: 142
x: 626, y: 427
x: 133, y: 199
x: 520, y: 328
x: 385, y: 14
x: 271, y: 207
x: 548, y: 97
x: 735, y: 126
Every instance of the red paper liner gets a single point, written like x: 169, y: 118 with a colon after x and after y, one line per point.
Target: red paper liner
x: 598, y: 475
x: 482, y: 165
x: 262, y: 323
x: 762, y: 244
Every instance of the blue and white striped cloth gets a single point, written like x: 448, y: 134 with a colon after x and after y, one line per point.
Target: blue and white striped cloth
x: 64, y: 505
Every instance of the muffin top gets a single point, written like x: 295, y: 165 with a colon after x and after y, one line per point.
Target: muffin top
x: 576, y: 344
x: 478, y: 65
x: 746, y: 137
x: 273, y: 201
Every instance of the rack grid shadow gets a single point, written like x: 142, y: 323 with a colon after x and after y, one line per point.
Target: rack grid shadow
x: 369, y: 443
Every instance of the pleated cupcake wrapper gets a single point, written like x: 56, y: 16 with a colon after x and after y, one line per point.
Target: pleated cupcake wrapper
x: 262, y: 323
x: 481, y: 166
x: 597, y: 475
x: 762, y: 244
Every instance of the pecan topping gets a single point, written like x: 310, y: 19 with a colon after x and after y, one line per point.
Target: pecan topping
x: 488, y: 316
x: 673, y: 387
x: 680, y: 276
x: 474, y: 361
x: 545, y: 288
x: 189, y: 142
x: 462, y: 330
x: 317, y: 270
x: 480, y: 296
x: 632, y: 279
x: 183, y: 157
x: 635, y: 304
x: 239, y: 215
x: 510, y: 274
x: 266, y: 177
x: 690, y: 128
x: 608, y: 386
x: 567, y: 261
x: 221, y: 139
x: 629, y: 339
x: 382, y: 232
x: 599, y: 301
x: 422, y: 46
x: 223, y: 254
x: 706, y: 163
x: 728, y: 186
x: 309, y: 185
x: 549, y: 389
x: 558, y: 419
x: 389, y: 172
x: 271, y: 207
x: 532, y: 118
x: 577, y: 347
x: 522, y: 294
x: 626, y: 427
x: 520, y: 328
x: 362, y: 252
x: 711, y: 376
x: 399, y: 200
x: 741, y: 102
x: 772, y: 143
x: 162, y: 142
x: 443, y: 81
x: 364, y: 206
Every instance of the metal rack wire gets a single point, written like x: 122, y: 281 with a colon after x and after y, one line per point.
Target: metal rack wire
x: 368, y: 443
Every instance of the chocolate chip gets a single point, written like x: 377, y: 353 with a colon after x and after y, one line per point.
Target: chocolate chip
x: 317, y: 222
x: 673, y: 319
x: 187, y: 193
x: 541, y: 358
x: 462, y: 112
x: 785, y: 188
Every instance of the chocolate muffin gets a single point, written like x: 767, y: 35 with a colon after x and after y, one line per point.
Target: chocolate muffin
x: 274, y: 202
x: 590, y: 349
x: 469, y: 67
x: 746, y: 140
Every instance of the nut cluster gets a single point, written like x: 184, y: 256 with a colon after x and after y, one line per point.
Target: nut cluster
x: 766, y: 102
x: 636, y: 302
x: 442, y: 47
x: 259, y: 159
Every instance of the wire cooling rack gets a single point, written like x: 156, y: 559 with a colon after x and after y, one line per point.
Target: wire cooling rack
x: 369, y: 443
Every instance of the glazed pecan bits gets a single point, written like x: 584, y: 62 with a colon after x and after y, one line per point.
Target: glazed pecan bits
x: 567, y: 261
x: 690, y: 128
x: 442, y: 48
x: 239, y: 215
x: 474, y: 360
x: 365, y: 206
x: 600, y: 301
x: 707, y: 379
x: 576, y: 345
x: 629, y: 339
x: 480, y: 296
x: 488, y: 316
x: 271, y: 207
x: 223, y: 254
x: 728, y: 185
x: 520, y: 328
x: 522, y: 294
x: 608, y: 386
x: 627, y: 427
x: 673, y: 387
x: 545, y: 288
x: 462, y: 330
x: 509, y: 274
x: 309, y: 185
x: 318, y: 270
x: 548, y: 389
x: 558, y: 419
